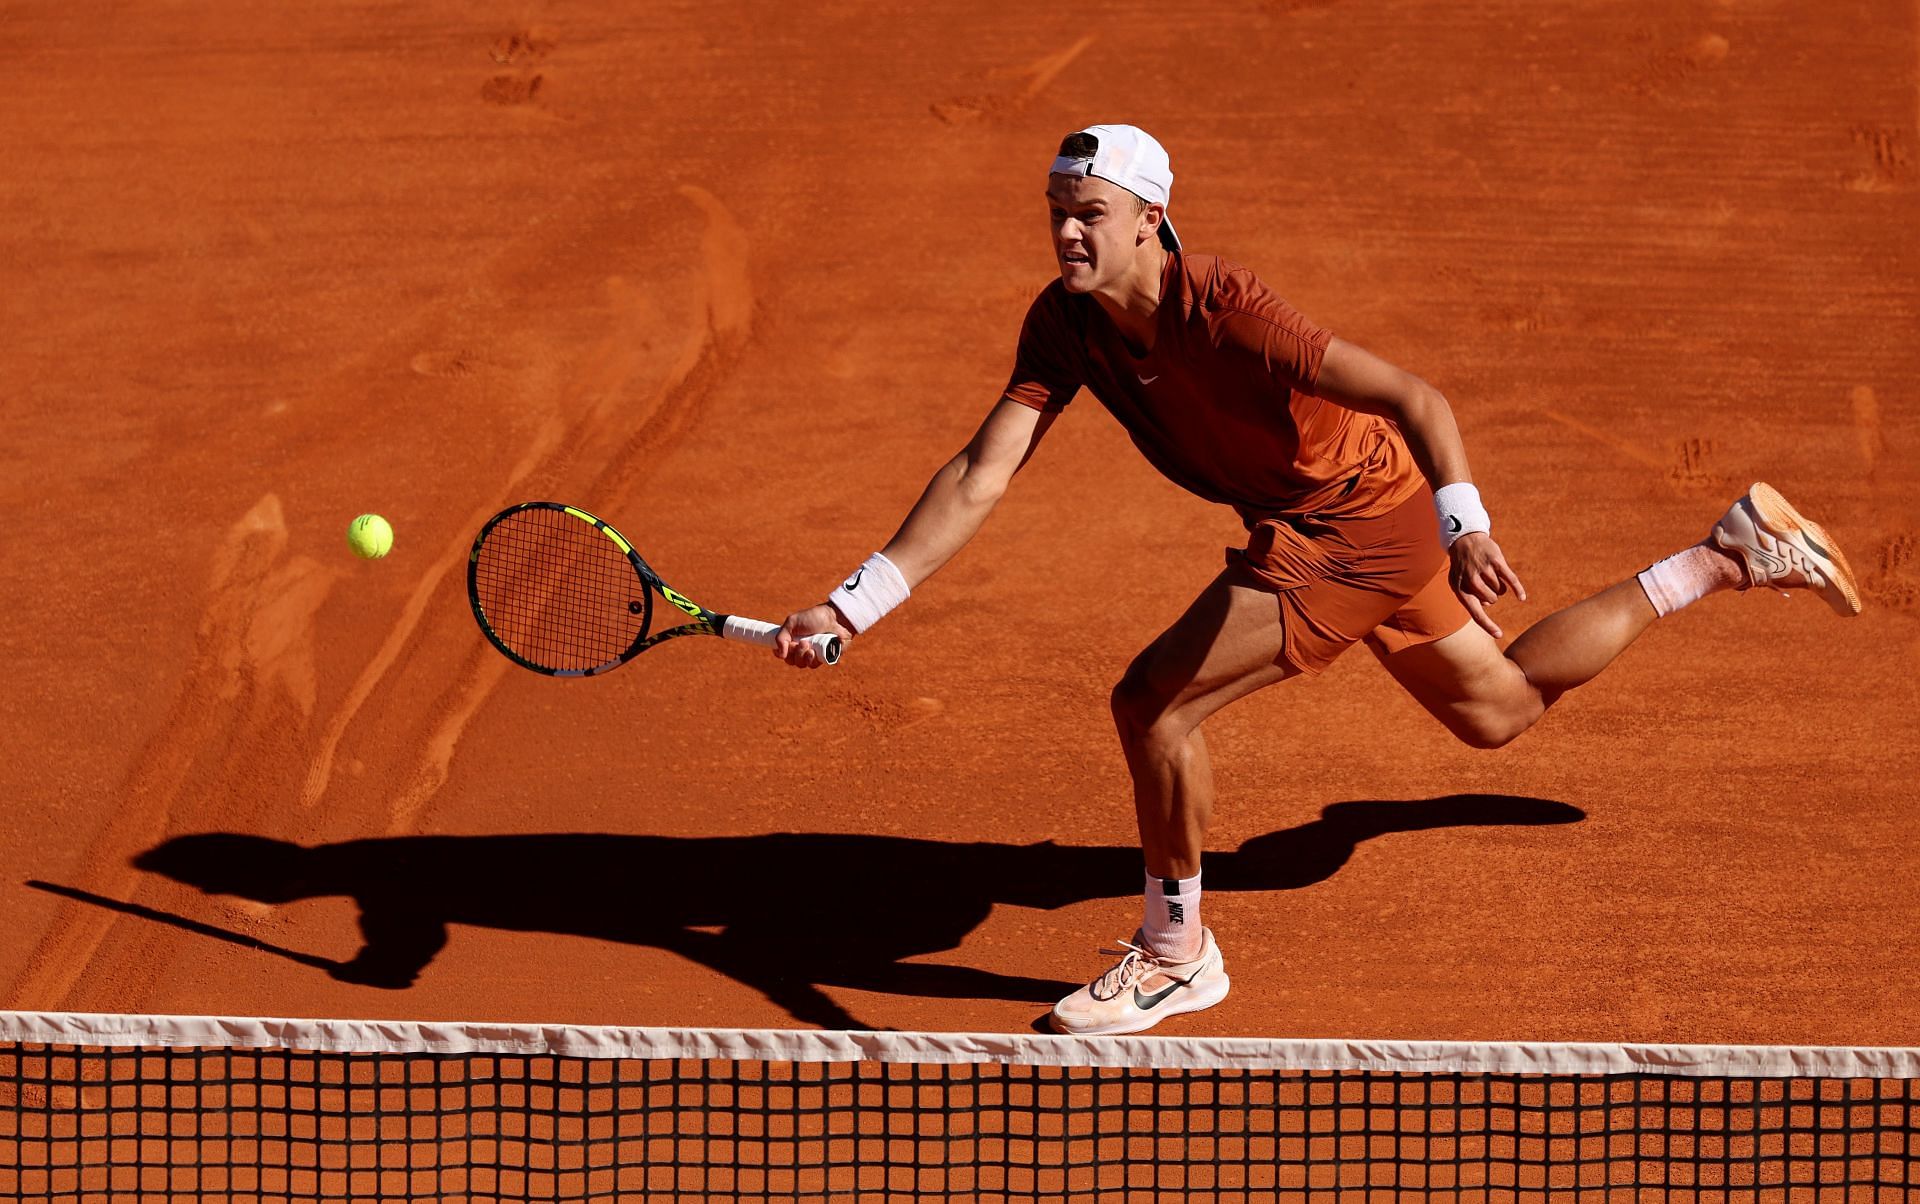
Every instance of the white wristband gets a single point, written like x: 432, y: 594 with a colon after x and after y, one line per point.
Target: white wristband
x: 875, y: 588
x: 1460, y: 511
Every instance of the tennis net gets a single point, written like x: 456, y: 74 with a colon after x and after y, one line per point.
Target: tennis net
x: 109, y: 1107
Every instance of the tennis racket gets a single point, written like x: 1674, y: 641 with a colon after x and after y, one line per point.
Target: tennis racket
x: 562, y: 593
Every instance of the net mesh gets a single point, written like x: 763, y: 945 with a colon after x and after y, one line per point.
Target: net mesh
x: 556, y: 591
x: 86, y: 1122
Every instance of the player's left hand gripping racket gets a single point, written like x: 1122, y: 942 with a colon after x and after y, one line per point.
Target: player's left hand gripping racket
x: 562, y: 593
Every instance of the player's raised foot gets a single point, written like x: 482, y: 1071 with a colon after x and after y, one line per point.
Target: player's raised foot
x: 1782, y: 549
x: 1143, y: 989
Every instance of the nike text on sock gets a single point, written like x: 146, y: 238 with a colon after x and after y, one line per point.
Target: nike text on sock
x: 1171, y: 922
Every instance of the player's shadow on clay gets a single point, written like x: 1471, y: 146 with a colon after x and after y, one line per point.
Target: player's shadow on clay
x: 785, y: 913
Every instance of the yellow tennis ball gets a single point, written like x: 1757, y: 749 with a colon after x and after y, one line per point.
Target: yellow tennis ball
x: 370, y: 537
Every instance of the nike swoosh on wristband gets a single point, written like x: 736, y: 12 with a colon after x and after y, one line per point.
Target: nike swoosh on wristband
x: 855, y: 583
x: 1453, y: 523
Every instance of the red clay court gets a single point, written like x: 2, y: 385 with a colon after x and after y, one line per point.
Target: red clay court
x: 739, y: 278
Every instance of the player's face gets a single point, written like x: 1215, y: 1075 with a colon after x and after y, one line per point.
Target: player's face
x: 1097, y: 227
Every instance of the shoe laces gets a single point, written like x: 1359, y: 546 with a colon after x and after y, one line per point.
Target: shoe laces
x: 1135, y: 964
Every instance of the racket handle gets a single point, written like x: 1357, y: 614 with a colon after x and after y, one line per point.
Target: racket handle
x: 753, y: 631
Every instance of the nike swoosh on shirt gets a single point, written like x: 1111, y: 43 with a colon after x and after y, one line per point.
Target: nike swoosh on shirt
x: 1146, y: 380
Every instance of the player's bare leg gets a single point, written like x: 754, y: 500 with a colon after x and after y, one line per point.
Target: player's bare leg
x: 1487, y: 697
x: 1226, y: 646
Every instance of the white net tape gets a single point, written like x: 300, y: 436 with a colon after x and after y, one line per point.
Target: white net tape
x: 801, y: 1045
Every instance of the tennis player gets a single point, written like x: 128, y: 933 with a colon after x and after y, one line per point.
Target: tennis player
x: 1363, y: 526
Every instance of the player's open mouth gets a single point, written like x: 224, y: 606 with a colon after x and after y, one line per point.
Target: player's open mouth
x: 1070, y: 257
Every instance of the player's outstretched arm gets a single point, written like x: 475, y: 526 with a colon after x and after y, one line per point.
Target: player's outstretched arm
x: 951, y: 509
x: 1363, y: 381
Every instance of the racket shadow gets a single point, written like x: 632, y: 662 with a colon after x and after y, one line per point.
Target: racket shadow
x: 786, y: 913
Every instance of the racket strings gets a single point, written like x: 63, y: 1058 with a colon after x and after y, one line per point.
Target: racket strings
x: 559, y: 592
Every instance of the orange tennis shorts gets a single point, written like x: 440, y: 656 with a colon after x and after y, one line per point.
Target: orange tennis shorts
x: 1340, y: 581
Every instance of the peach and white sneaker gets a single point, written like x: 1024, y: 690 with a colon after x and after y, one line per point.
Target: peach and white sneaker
x: 1783, y: 549
x: 1143, y: 989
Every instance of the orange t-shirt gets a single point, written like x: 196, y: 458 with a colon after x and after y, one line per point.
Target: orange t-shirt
x: 1223, y: 405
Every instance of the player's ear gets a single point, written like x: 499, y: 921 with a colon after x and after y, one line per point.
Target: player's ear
x: 1150, y: 219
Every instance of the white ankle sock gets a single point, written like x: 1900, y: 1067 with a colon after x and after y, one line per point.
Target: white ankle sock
x: 1172, y: 924
x: 1688, y: 576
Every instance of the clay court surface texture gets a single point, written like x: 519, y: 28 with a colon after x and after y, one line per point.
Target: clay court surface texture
x: 739, y: 277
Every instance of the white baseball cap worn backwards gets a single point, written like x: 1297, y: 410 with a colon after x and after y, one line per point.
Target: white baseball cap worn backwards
x: 1130, y: 157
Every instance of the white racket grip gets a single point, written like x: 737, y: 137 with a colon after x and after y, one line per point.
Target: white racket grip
x: 753, y: 631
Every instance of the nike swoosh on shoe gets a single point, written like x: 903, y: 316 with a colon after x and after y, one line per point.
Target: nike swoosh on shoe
x: 1147, y: 1003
